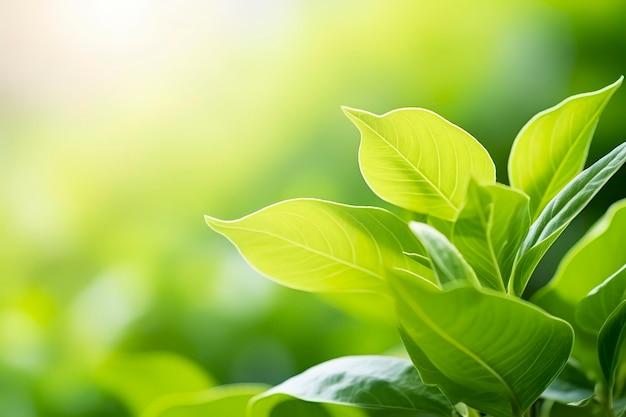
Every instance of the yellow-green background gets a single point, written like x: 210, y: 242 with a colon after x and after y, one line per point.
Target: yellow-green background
x: 123, y: 122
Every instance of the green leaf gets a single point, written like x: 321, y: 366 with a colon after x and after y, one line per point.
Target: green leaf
x: 226, y: 400
x: 140, y: 379
x: 494, y: 353
x: 316, y: 245
x: 419, y: 161
x: 446, y: 261
x: 296, y: 408
x: 571, y: 387
x: 490, y: 230
x: 593, y: 310
x: 610, y: 342
x: 552, y: 147
x: 587, y: 264
x: 368, y: 382
x: 561, y: 210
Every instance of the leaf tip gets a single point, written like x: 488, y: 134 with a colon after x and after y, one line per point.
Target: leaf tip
x: 212, y: 222
x: 356, y: 116
x: 617, y: 83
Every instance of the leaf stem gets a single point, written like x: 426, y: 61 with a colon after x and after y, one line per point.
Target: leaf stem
x: 472, y: 413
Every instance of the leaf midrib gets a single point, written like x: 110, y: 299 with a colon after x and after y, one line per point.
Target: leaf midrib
x: 596, y: 115
x: 515, y: 405
x: 308, y: 248
x: 428, y: 180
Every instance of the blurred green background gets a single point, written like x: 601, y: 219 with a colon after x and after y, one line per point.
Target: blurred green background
x: 123, y: 122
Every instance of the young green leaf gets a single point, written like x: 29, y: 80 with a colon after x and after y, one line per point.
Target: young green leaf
x: 552, y: 147
x: 368, y: 382
x: 225, y: 400
x: 316, y: 245
x: 611, y: 342
x: 571, y: 387
x: 418, y: 160
x: 446, y: 261
x: 140, y: 379
x: 561, y: 210
x: 593, y: 310
x: 587, y: 264
x: 490, y: 229
x: 494, y: 353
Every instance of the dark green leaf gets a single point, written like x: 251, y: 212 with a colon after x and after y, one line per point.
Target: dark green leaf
x: 368, y: 382
x: 587, y: 264
x: 610, y: 342
x: 571, y: 387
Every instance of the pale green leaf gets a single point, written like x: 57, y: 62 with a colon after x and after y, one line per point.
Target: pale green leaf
x: 140, y: 379
x: 226, y: 400
x: 490, y: 229
x: 367, y: 382
x: 447, y: 263
x: 419, y: 161
x: 316, y: 245
x: 593, y: 310
x: 494, y: 353
x: 561, y: 210
x: 611, y: 341
x: 571, y: 387
x: 552, y: 147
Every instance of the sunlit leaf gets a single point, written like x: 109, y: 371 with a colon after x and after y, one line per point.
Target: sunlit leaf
x: 571, y: 387
x: 552, y: 147
x: 316, y: 245
x: 368, y: 382
x: 610, y: 342
x: 561, y: 210
x: 492, y: 352
x: 490, y: 229
x: 139, y: 379
x: 225, y: 400
x: 593, y: 310
x: 446, y: 261
x: 418, y: 160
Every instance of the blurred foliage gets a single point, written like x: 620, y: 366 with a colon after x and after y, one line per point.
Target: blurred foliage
x: 123, y: 123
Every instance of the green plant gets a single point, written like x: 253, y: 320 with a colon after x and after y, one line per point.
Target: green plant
x: 456, y: 277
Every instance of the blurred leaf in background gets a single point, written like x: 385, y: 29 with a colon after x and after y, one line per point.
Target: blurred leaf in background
x: 123, y: 122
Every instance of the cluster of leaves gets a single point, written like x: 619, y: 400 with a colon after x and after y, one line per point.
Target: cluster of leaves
x: 454, y: 280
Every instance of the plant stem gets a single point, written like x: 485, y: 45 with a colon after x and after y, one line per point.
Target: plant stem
x: 605, y: 398
x: 545, y: 409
